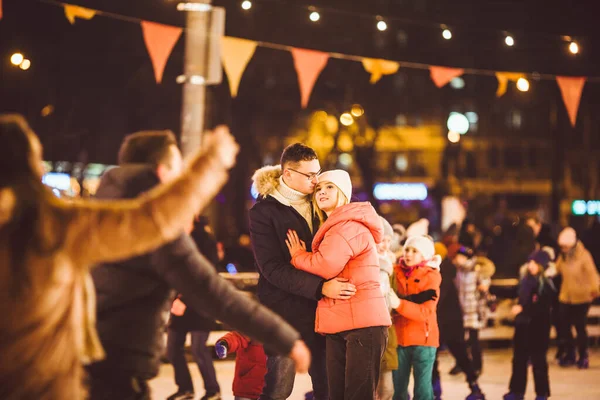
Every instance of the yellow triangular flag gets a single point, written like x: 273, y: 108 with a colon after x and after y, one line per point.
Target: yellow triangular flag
x: 503, y: 78
x: 71, y: 12
x: 235, y: 55
x: 377, y: 68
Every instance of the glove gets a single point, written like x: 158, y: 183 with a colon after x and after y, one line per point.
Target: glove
x: 393, y: 299
x: 420, y: 298
x: 221, y: 349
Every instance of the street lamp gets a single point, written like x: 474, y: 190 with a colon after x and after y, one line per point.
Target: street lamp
x: 16, y: 59
x: 25, y: 65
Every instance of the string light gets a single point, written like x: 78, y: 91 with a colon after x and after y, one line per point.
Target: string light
x: 523, y: 84
x: 447, y: 34
x: 381, y: 25
x: 25, y: 65
x: 453, y: 137
x: 246, y: 5
x: 574, y: 48
x: 346, y: 119
x: 509, y: 40
x: 314, y: 16
x: 16, y: 59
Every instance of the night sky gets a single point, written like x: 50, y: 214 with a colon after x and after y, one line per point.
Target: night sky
x: 98, y: 77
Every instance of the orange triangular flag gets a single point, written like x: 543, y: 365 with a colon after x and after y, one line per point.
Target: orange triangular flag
x: 235, y: 55
x: 72, y: 12
x: 160, y: 40
x: 571, y: 89
x: 309, y: 64
x: 442, y: 75
x: 503, y: 78
x: 377, y: 68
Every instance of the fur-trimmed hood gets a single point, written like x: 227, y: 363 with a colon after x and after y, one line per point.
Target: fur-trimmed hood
x: 266, y: 180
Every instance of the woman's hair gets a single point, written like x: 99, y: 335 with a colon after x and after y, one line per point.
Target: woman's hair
x: 342, y: 200
x: 20, y: 171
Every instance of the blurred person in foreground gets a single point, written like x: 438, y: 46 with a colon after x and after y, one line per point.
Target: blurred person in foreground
x: 47, y: 245
x: 133, y: 294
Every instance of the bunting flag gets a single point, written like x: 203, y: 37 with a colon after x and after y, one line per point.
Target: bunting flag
x: 377, y: 68
x: 503, y: 78
x: 72, y: 12
x: 235, y: 55
x: 160, y: 40
x: 309, y: 64
x: 442, y: 75
x: 571, y: 89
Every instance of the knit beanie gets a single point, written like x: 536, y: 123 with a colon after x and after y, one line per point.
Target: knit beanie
x: 540, y: 257
x: 339, y: 178
x: 568, y: 237
x: 387, y: 228
x: 423, y: 244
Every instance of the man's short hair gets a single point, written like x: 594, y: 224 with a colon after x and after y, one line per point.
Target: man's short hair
x: 297, y: 152
x: 147, y: 147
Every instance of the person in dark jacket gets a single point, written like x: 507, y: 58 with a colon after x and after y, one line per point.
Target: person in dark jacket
x: 184, y: 320
x: 450, y: 322
x: 132, y: 295
x: 284, y: 205
x: 532, y: 329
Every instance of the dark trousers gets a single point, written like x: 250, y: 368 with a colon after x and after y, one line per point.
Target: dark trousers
x: 458, y: 348
x: 354, y: 361
x: 111, y: 384
x: 574, y: 315
x: 475, y: 347
x: 281, y: 372
x: 201, y: 353
x: 531, y: 344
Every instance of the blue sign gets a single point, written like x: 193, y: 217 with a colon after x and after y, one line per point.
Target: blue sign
x: 400, y: 191
x: 582, y: 207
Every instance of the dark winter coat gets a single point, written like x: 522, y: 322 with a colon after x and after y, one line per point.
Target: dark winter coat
x: 536, y: 296
x: 449, y: 311
x: 289, y: 292
x: 132, y: 295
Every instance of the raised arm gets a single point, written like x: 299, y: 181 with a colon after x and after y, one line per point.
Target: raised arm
x: 274, y: 265
x: 101, y: 231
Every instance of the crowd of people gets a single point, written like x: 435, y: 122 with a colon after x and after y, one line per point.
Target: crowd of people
x: 356, y: 302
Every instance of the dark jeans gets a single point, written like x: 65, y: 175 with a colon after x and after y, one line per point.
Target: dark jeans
x: 531, y: 344
x: 111, y: 384
x: 354, y: 361
x: 475, y: 347
x: 281, y: 372
x: 574, y: 314
x: 201, y: 353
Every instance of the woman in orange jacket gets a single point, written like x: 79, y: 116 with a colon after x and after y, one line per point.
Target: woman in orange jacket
x: 418, y: 282
x: 345, y: 247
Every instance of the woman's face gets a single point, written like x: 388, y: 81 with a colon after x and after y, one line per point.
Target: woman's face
x: 327, y: 196
x: 413, y: 256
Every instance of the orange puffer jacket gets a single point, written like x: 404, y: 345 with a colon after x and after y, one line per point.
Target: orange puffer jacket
x: 345, y: 247
x: 416, y: 324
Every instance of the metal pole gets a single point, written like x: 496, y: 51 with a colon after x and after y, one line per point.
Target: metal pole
x: 204, y: 28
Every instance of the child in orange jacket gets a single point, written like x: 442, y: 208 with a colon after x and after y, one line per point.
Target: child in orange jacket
x: 418, y: 282
x: 250, y: 364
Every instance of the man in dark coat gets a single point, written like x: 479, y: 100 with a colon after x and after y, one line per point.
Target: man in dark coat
x: 284, y: 204
x: 132, y: 295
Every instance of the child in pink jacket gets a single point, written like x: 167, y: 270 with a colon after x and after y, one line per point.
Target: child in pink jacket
x: 345, y: 247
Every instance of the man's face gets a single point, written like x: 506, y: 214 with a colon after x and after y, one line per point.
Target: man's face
x: 171, y: 170
x: 303, y: 176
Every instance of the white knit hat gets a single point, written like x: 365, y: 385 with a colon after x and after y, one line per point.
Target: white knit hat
x: 339, y: 178
x: 568, y: 237
x: 423, y: 244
